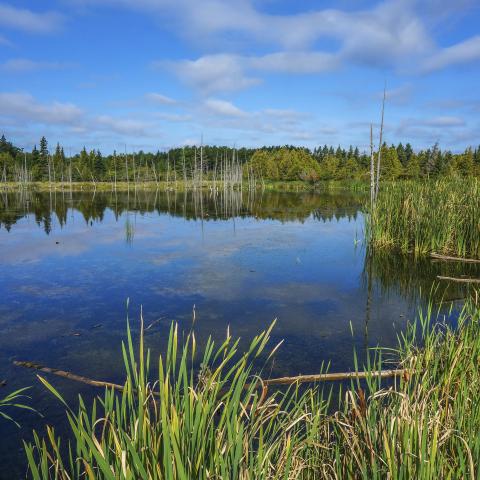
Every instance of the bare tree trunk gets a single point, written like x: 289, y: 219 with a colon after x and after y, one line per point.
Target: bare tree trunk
x: 25, y: 166
x: 201, y: 163
x: 49, y: 173
x: 184, y: 171
x: 380, y: 146
x: 115, y: 170
x: 372, y: 169
x: 134, y: 172
x: 168, y: 169
x: 126, y: 166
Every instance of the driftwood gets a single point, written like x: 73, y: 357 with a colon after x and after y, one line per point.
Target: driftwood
x: 331, y: 377
x: 69, y: 375
x: 322, y: 377
x: 453, y: 259
x: 459, y: 280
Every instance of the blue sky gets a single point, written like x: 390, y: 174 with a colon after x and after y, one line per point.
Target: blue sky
x: 151, y: 74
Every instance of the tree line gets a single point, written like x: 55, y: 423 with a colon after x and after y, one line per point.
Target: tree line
x: 283, y: 163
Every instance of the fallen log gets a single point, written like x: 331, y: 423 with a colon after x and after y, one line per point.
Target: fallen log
x: 331, y: 377
x: 69, y: 375
x: 321, y: 377
x: 453, y: 259
x: 459, y: 280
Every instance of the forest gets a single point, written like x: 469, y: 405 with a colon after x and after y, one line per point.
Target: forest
x: 275, y: 163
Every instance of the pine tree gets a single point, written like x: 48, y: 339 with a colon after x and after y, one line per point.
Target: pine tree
x: 59, y: 160
x: 99, y: 166
x: 408, y: 152
x: 3, y: 145
x: 43, y: 147
x: 402, y: 155
x: 39, y: 165
x: 431, y: 164
x: 43, y: 160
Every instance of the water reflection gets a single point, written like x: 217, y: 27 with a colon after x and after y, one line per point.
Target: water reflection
x: 191, y: 205
x: 416, y: 280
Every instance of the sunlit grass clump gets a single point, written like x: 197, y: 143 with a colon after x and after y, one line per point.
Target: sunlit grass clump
x: 431, y: 216
x: 220, y: 422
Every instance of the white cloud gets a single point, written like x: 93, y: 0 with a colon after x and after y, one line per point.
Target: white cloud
x: 444, y: 121
x: 294, y: 62
x: 211, y: 73
x: 463, y: 52
x: 160, y: 99
x: 401, y: 95
x: 22, y: 65
x: 28, y: 21
x: 24, y: 107
x: 173, y: 117
x: 223, y: 108
x: 124, y: 126
x: 228, y: 72
x: 382, y: 35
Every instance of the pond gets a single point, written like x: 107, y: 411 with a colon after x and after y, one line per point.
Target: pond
x: 70, y: 260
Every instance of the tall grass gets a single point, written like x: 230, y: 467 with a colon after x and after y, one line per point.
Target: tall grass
x: 219, y: 423
x: 431, y: 216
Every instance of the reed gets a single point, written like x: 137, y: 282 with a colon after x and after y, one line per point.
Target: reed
x: 429, y: 216
x: 220, y: 421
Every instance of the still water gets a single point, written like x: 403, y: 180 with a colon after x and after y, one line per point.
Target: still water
x: 69, y: 262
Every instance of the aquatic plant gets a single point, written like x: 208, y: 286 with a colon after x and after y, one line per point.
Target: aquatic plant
x: 430, y: 216
x: 13, y: 400
x: 220, y: 420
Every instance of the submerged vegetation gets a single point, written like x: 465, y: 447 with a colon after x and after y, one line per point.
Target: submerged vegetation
x: 440, y: 216
x: 217, y: 419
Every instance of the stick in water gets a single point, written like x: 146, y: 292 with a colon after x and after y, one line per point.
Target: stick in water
x: 454, y: 259
x: 322, y: 377
x: 459, y: 280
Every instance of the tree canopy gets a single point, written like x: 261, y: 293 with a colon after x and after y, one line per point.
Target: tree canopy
x: 282, y: 163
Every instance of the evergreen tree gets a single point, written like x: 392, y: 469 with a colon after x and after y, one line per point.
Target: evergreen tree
x: 3, y: 145
x: 43, y: 160
x: 43, y: 147
x: 99, y: 166
x: 412, y: 169
x: 465, y: 164
x: 402, y: 154
x: 59, y: 161
x: 352, y: 168
x: 390, y: 168
x: 7, y: 166
x: 408, y: 152
x: 39, y: 165
x: 431, y: 163
x: 329, y: 168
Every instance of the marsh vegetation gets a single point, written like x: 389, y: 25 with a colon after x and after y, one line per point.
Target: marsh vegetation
x: 221, y: 421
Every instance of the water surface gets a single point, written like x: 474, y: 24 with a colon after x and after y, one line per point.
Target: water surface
x: 69, y: 261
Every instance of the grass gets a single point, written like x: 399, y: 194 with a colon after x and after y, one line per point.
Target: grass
x: 430, y: 216
x: 180, y: 185
x: 217, y: 422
